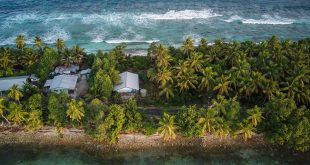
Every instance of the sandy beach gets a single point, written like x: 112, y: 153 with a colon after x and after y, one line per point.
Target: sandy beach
x: 48, y: 137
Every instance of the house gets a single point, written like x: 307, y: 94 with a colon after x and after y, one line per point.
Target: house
x: 65, y: 83
x: 72, y: 69
x: 129, y: 83
x: 7, y: 82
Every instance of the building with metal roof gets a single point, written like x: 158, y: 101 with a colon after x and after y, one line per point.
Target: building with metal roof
x: 7, y: 82
x: 129, y: 83
x: 62, y: 83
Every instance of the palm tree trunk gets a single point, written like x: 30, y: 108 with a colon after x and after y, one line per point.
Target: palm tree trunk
x: 6, y: 119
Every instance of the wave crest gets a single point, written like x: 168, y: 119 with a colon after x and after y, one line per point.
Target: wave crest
x: 56, y: 32
x: 265, y: 19
x: 118, y: 41
x: 181, y: 15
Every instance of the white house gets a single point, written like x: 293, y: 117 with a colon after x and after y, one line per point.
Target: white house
x: 62, y: 83
x: 7, y: 82
x: 129, y: 83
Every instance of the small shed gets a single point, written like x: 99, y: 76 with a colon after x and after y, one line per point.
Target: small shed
x: 129, y: 83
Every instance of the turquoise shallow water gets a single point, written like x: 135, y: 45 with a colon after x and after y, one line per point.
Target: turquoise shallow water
x: 28, y: 156
x: 101, y: 24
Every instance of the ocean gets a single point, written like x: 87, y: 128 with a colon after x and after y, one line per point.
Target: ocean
x: 102, y: 24
x: 27, y: 155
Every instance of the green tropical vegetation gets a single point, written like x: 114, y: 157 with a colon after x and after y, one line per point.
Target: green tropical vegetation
x: 236, y: 89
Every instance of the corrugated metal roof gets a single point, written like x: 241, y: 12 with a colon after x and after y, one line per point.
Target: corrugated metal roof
x: 61, y: 82
x: 7, y: 82
x: 128, y: 80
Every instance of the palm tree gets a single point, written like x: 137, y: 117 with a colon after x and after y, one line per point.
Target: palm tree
x: 247, y: 130
x: 182, y: 68
x: 75, y: 110
x: 20, y: 41
x: 195, y: 61
x: 60, y: 44
x: 187, y: 80
x: 163, y: 77
x: 296, y: 87
x: 6, y: 62
x: 30, y: 57
x: 163, y: 61
x: 203, y: 45
x: 255, y: 115
x: 270, y: 88
x: 166, y: 91
x: 78, y: 54
x: 16, y: 113
x: 234, y: 54
x: 167, y: 126
x: 38, y: 42
x: 34, y: 120
x: 5, y: 58
x: 67, y: 58
x: 222, y: 128
x: 188, y: 46
x: 208, y: 120
x: 15, y: 93
x: 207, y: 80
x: 163, y: 57
x: 223, y: 86
x: 2, y: 109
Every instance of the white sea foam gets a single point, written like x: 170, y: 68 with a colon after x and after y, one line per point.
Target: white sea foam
x: 97, y: 39
x: 55, y: 33
x: 8, y: 41
x: 195, y: 37
x: 114, y: 19
x: 234, y: 18
x: 20, y: 18
x: 11, y: 40
x: 181, y: 15
x: 265, y: 19
x: 118, y: 41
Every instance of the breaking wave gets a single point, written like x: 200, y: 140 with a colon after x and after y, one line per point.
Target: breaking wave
x: 181, y: 15
x: 265, y: 19
x: 56, y: 32
x: 118, y: 41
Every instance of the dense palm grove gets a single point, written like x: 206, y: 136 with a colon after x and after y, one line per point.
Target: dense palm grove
x: 224, y: 89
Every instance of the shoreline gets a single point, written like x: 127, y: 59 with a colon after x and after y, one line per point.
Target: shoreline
x: 76, y: 138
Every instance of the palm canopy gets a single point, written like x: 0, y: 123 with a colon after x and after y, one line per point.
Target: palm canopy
x: 16, y: 113
x: 255, y: 115
x: 167, y: 127
x: 15, y: 93
x: 223, y: 85
x: 60, y: 44
x: 38, y: 42
x: 188, y: 46
x: 20, y: 41
x: 75, y: 110
x: 246, y: 130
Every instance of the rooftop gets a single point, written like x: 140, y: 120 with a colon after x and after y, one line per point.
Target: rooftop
x: 129, y: 81
x: 7, y: 82
x: 62, y: 82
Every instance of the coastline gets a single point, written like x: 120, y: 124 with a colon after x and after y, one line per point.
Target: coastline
x: 76, y: 138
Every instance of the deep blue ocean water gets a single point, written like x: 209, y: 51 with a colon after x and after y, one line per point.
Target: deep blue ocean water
x: 101, y: 24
